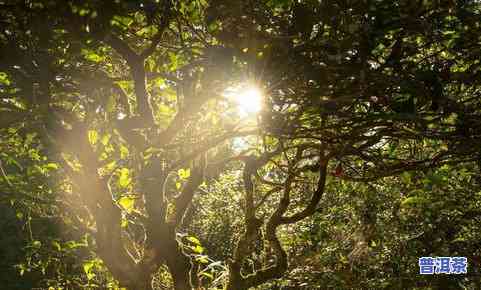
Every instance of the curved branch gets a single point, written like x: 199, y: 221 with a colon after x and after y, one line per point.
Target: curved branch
x: 310, y: 209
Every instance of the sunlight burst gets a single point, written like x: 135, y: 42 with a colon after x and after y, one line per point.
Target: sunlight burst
x: 247, y: 98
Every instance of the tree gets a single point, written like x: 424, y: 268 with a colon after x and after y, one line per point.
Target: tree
x: 126, y: 99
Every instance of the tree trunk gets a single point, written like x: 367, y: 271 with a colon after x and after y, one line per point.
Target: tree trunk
x: 142, y: 285
x: 178, y: 263
x: 235, y: 278
x: 179, y: 267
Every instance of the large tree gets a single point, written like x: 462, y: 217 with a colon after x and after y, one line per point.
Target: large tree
x: 127, y: 98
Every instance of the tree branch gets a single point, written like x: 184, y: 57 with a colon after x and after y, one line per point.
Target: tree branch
x: 184, y: 199
x: 278, y: 269
x: 164, y: 23
x: 205, y: 146
x: 310, y: 209
x: 136, y: 65
x: 96, y: 197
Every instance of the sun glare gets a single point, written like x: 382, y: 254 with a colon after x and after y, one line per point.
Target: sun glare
x: 247, y: 98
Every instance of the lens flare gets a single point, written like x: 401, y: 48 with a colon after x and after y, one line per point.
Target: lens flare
x: 249, y: 100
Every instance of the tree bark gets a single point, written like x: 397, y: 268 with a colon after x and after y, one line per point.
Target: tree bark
x: 142, y: 284
x: 179, y: 265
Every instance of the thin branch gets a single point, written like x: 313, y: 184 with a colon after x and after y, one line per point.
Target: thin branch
x: 266, y: 196
x: 210, y: 143
x: 4, y: 175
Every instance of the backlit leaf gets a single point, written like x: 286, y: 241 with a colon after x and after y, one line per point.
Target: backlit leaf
x: 124, y: 178
x: 127, y: 203
x: 93, y: 137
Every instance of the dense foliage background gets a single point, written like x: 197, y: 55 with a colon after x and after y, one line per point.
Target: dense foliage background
x: 135, y: 155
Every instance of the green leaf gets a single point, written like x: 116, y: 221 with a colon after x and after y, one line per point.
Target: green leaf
x: 122, y: 21
x: 174, y: 61
x: 198, y: 249
x: 88, y: 269
x: 127, y: 203
x: 124, y: 152
x: 124, y: 178
x: 93, y: 137
x: 202, y: 260
x: 92, y: 56
x: 4, y: 78
x: 413, y: 201
x: 160, y: 82
x: 105, y: 139
x: 184, y: 173
x: 22, y: 268
x: 139, y: 17
x: 110, y: 166
x: 36, y: 244
x: 147, y: 31
x: 51, y: 166
x: 193, y: 240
